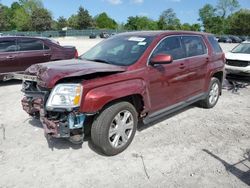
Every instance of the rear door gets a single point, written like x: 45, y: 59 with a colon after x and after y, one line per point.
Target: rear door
x: 8, y: 55
x: 197, y: 57
x: 32, y: 51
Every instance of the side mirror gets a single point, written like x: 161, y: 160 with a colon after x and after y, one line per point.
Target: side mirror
x: 161, y: 59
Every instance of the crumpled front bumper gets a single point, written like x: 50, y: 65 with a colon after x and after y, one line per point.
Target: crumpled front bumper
x: 52, y: 127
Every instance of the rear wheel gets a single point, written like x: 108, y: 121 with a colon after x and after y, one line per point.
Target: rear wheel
x: 213, y: 94
x: 114, y: 129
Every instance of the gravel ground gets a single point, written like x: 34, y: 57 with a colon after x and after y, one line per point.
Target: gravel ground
x: 192, y: 148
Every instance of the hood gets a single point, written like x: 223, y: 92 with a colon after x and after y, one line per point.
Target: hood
x: 238, y: 56
x: 50, y: 73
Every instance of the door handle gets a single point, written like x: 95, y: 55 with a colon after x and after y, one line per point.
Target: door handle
x: 46, y: 54
x: 182, y: 66
x: 10, y: 57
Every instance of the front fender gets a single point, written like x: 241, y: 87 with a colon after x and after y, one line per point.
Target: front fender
x: 97, y: 98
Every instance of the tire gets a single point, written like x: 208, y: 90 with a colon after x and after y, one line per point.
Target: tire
x: 111, y: 132
x: 213, y: 94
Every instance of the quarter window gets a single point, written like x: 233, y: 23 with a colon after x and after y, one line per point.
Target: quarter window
x: 30, y: 45
x: 215, y: 44
x: 194, y: 45
x: 171, y: 46
x: 7, y: 46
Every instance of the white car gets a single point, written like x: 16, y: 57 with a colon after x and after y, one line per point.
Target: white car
x: 238, y: 60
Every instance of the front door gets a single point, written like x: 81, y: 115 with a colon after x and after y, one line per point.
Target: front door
x: 168, y: 83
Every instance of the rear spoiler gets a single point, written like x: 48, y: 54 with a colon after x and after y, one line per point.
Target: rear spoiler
x: 16, y: 76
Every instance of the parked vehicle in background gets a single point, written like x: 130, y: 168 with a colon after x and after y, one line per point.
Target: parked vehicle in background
x: 92, y: 36
x: 104, y: 35
x: 243, y: 38
x: 235, y: 39
x: 225, y: 39
x: 130, y: 76
x: 19, y: 53
x: 238, y: 62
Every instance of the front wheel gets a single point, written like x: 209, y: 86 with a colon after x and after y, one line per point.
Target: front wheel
x: 114, y: 129
x: 213, y: 94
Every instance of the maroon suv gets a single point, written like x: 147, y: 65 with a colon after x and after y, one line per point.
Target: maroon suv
x: 18, y: 53
x: 130, y: 76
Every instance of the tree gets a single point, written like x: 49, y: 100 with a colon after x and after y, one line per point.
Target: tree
x: 226, y: 7
x: 104, y: 21
x: 61, y: 22
x: 84, y: 20
x: 206, y: 14
x: 24, y: 16
x: 4, y: 18
x: 169, y: 20
x: 239, y: 22
x: 140, y: 23
x: 21, y: 20
x: 72, y: 21
x: 31, y: 5
x: 41, y: 19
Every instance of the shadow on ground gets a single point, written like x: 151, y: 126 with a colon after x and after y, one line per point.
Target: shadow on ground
x: 10, y: 82
x: 244, y: 176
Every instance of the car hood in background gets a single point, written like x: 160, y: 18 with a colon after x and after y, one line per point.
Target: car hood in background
x: 238, y: 56
x: 50, y: 73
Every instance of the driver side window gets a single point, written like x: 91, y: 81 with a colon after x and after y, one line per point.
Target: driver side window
x: 170, y: 46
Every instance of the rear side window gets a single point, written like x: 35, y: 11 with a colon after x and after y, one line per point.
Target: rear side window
x: 194, y: 45
x: 7, y: 46
x: 215, y: 45
x: 30, y: 45
x: 171, y: 46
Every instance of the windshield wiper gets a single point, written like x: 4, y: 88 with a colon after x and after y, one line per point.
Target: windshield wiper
x: 100, y: 61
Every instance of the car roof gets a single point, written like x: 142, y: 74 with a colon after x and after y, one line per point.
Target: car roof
x: 158, y: 33
x: 23, y: 37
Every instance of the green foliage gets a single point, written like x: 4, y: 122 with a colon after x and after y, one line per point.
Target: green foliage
x: 61, y: 23
x: 72, y: 21
x: 4, y: 18
x: 140, y: 23
x: 41, y: 19
x: 103, y: 21
x: 21, y: 20
x: 239, y: 22
x: 168, y: 20
x: 226, y: 7
x: 215, y: 20
x: 84, y: 20
x: 27, y: 15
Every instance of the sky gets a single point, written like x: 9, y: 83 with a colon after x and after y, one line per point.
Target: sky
x: 187, y: 10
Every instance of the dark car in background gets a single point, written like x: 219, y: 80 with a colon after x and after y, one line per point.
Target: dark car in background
x: 235, y: 39
x: 19, y: 53
x: 92, y: 36
x: 104, y: 35
x: 225, y: 39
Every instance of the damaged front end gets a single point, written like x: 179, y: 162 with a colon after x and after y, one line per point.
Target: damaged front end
x: 59, y: 119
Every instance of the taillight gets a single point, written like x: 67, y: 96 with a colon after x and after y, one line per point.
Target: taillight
x: 76, y: 54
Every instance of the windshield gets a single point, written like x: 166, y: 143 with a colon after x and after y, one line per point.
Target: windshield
x: 120, y: 50
x: 242, y: 48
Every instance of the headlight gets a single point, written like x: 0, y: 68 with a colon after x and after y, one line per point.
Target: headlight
x: 65, y: 96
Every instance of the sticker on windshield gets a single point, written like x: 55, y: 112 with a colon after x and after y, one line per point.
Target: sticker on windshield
x: 142, y: 43
x: 136, y: 39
